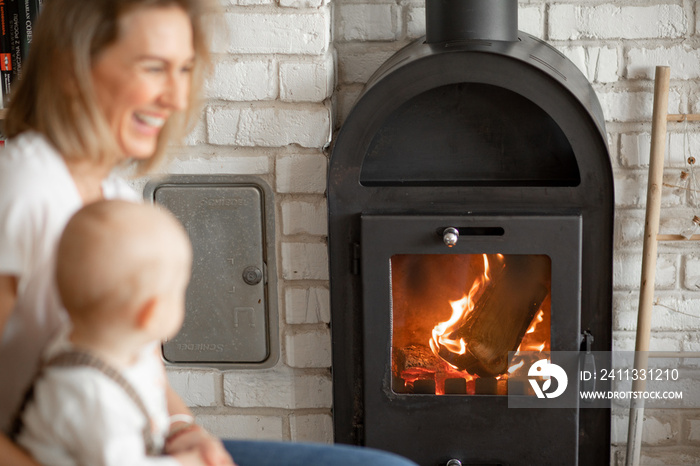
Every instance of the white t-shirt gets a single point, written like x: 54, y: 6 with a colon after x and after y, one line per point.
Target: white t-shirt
x: 37, y: 198
x: 79, y: 416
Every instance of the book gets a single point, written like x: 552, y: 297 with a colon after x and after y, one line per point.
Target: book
x: 17, y: 19
x: 14, y: 31
x: 29, y: 12
x: 5, y: 54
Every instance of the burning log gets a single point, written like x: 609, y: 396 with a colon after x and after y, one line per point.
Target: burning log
x: 500, y: 317
x: 414, y: 357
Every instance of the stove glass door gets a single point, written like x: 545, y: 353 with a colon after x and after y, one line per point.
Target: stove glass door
x: 455, y: 318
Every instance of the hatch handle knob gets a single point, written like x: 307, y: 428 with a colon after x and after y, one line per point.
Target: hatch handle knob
x: 252, y: 275
x: 450, y: 236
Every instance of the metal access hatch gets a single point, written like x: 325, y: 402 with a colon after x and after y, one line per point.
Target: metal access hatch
x: 231, y: 305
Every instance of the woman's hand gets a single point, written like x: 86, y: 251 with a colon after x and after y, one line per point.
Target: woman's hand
x: 194, y: 437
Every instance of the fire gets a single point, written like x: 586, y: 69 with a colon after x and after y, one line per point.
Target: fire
x: 446, y: 355
x: 460, y: 310
x: 531, y: 341
x: 515, y: 367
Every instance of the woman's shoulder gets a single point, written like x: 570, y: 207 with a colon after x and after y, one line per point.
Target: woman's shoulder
x: 29, y: 155
x: 27, y: 147
x: 29, y: 165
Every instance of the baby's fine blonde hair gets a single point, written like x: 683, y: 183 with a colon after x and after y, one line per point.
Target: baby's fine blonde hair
x: 115, y: 255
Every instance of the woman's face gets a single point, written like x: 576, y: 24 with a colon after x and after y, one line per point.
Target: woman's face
x: 144, y: 76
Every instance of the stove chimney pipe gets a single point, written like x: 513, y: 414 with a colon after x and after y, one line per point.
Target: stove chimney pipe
x: 458, y: 20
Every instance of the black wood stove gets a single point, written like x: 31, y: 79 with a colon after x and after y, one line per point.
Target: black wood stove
x: 471, y: 213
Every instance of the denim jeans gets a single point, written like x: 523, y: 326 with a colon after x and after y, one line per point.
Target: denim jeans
x: 264, y: 453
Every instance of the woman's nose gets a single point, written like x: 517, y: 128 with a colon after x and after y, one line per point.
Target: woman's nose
x: 177, y: 92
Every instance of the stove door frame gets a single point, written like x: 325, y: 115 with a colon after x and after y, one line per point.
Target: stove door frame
x: 405, y: 423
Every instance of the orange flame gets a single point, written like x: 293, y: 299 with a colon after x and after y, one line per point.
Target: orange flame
x: 460, y: 310
x: 515, y: 367
x: 538, y: 318
x: 524, y: 345
x: 440, y: 339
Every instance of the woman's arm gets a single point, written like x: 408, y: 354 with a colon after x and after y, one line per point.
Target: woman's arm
x: 8, y: 296
x: 12, y: 455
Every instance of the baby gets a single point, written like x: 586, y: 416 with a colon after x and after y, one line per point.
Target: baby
x: 122, y: 270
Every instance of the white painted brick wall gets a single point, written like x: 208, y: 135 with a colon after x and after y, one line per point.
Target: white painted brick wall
x: 598, y: 64
x: 302, y: 3
x: 197, y: 388
x: 662, y: 430
x: 415, y: 21
x: 276, y: 126
x: 302, y: 217
x: 309, y: 81
x: 609, y: 21
x: 627, y: 269
x: 303, y: 173
x: 366, y: 22
x: 279, y: 388
x: 683, y: 58
x: 242, y: 426
x: 288, y: 72
x: 304, y: 261
x: 531, y: 19
x: 693, y: 429
x: 288, y: 32
x: 312, y: 428
x: 691, y: 275
x: 243, y: 80
x: 309, y: 348
x: 307, y: 305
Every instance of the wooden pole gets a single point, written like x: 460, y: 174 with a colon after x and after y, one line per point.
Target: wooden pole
x: 649, y: 254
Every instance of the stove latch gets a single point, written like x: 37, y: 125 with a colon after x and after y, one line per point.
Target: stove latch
x: 450, y: 235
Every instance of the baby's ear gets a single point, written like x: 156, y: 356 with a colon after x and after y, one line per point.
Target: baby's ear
x: 146, y: 312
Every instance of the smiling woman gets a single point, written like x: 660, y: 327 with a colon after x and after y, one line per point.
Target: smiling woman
x: 107, y: 82
x: 93, y: 63
x: 144, y: 77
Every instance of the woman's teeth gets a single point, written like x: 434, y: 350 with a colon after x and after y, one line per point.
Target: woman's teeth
x: 149, y: 120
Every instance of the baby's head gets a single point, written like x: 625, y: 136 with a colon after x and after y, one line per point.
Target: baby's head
x: 124, y: 265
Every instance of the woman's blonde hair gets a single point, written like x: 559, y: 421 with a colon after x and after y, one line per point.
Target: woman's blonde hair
x: 55, y: 94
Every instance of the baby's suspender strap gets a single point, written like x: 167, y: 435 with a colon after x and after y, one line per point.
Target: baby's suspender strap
x: 76, y: 358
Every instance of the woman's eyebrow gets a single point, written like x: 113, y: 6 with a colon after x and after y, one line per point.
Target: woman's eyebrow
x: 161, y: 58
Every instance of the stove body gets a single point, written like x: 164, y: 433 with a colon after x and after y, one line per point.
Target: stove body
x: 490, y: 133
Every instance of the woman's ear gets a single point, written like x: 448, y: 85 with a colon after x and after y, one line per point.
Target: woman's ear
x: 146, y: 313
